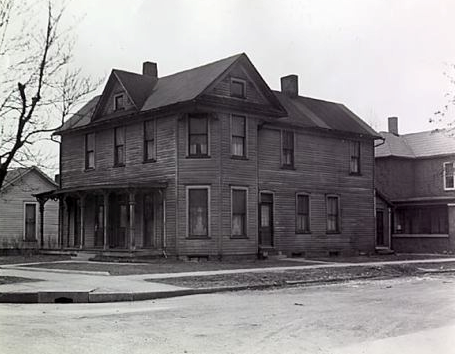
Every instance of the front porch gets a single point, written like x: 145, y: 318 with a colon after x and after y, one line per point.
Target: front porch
x: 111, y: 219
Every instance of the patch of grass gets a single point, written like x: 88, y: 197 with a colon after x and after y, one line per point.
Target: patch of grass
x: 13, y: 280
x: 32, y: 259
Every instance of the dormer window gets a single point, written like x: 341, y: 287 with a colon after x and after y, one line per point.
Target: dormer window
x: 238, y: 88
x: 119, y: 102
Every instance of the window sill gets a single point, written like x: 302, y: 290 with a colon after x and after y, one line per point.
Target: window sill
x: 238, y: 97
x: 119, y: 165
x: 149, y: 161
x: 198, y: 237
x: 333, y: 232
x: 303, y: 232
x: 198, y: 156
x: 239, y: 237
x: 286, y: 167
x: 355, y: 174
x: 89, y: 169
x: 236, y: 157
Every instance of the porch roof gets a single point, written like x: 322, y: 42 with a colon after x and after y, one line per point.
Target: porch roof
x: 424, y: 201
x: 102, y: 187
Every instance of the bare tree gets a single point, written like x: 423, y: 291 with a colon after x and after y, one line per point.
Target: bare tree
x: 39, y: 87
x: 444, y: 117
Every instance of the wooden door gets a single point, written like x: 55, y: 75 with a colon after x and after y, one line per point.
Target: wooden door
x: 120, y: 220
x: 77, y: 222
x: 149, y: 221
x: 380, y: 228
x: 266, y: 220
x: 99, y: 222
x: 30, y: 222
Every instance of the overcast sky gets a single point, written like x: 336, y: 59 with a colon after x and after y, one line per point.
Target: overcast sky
x: 379, y: 57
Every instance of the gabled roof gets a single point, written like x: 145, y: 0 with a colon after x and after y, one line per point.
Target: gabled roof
x: 417, y: 145
x: 314, y: 113
x: 139, y: 87
x: 17, y: 174
x: 82, y: 116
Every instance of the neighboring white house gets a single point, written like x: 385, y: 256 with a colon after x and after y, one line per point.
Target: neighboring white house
x: 20, y: 211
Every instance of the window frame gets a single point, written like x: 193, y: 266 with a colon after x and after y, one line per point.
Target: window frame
x: 235, y: 80
x: 338, y: 215
x: 355, y: 147
x: 283, y: 164
x: 87, y: 151
x: 297, y: 230
x: 116, y: 161
x: 245, y: 231
x: 146, y: 158
x: 187, y: 196
x: 245, y: 137
x: 445, y: 176
x: 37, y: 221
x: 188, y: 137
x: 116, y: 106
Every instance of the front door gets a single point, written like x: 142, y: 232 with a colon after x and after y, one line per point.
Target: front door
x: 120, y: 220
x: 380, y: 228
x: 266, y: 220
x: 149, y: 221
x: 30, y: 222
x: 99, y: 222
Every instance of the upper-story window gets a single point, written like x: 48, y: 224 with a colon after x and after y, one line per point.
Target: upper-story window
x: 302, y: 214
x: 149, y: 140
x: 198, y: 136
x: 354, y: 151
x: 238, y: 88
x: 238, y: 139
x: 287, y: 147
x: 449, y: 175
x: 333, y: 214
x: 119, y: 102
x: 119, y: 149
x: 89, y: 151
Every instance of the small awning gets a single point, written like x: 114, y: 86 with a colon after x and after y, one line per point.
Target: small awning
x: 102, y: 187
x: 423, y: 201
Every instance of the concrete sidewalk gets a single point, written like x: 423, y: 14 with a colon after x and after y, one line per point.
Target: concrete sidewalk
x: 85, y: 286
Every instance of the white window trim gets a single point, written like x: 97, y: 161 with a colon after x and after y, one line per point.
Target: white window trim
x: 246, y: 136
x: 154, y: 140
x: 37, y: 220
x: 327, y: 214
x: 444, y: 175
x: 240, y: 188
x: 235, y: 79
x: 309, y: 212
x: 85, y: 152
x: 187, y: 226
x: 187, y: 148
x: 281, y: 148
x: 115, y: 102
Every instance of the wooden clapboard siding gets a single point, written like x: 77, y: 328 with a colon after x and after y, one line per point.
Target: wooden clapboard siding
x: 12, y: 200
x: 321, y: 168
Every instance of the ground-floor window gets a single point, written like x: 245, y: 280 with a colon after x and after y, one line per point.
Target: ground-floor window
x: 239, y: 214
x: 302, y: 215
x: 198, y: 211
x: 422, y: 220
x: 333, y: 214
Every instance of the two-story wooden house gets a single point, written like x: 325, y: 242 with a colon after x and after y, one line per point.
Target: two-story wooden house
x: 212, y: 162
x: 415, y: 182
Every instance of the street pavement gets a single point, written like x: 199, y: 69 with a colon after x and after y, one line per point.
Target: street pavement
x: 402, y: 315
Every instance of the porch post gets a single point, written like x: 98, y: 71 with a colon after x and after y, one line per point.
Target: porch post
x: 106, y: 218
x: 68, y: 217
x: 451, y: 226
x: 41, y: 202
x: 132, y: 204
x: 61, y: 218
x: 82, y: 243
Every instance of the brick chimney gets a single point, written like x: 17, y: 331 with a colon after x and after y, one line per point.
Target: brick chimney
x: 393, y: 125
x: 290, y: 85
x: 150, y: 69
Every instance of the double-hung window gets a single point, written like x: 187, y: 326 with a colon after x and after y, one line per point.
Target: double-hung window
x: 449, y: 175
x: 238, y: 88
x: 198, y: 137
x: 302, y: 213
x: 149, y: 140
x: 333, y: 214
x: 119, y: 102
x: 119, y: 148
x: 238, y: 138
x: 287, y: 147
x: 239, y: 213
x: 354, y: 148
x: 89, y: 151
x: 198, y: 211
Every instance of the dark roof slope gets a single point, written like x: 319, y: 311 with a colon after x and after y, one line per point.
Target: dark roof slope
x: 82, y: 116
x: 310, y: 112
x: 415, y: 145
x: 138, y: 86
